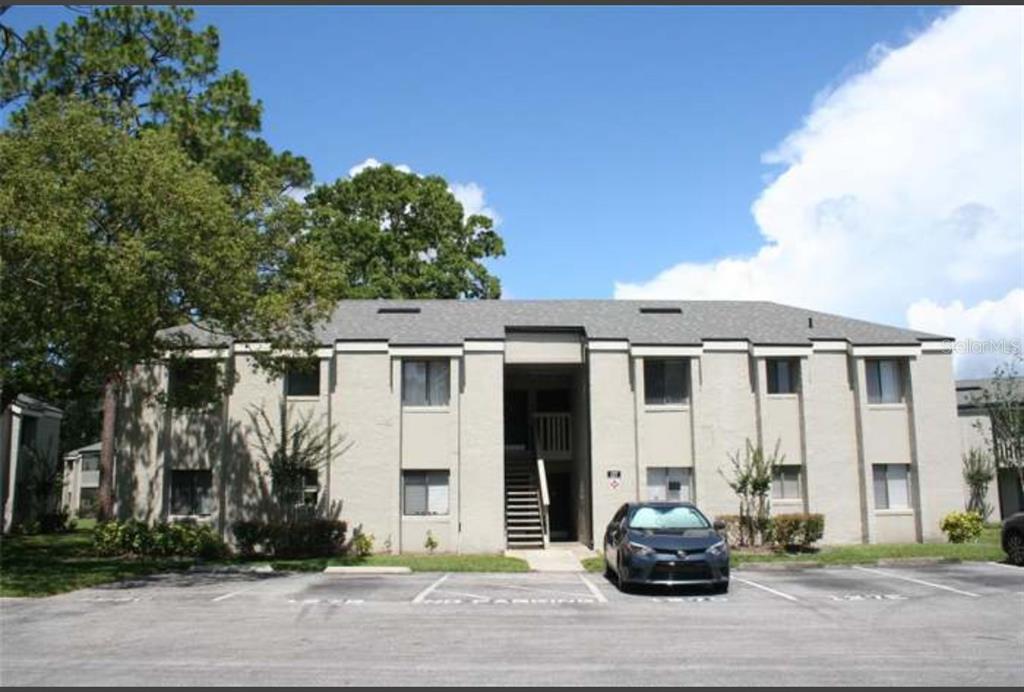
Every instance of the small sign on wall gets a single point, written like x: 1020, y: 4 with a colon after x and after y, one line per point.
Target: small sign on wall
x: 614, y: 479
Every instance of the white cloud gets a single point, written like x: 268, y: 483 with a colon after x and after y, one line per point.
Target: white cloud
x: 469, y: 195
x: 902, y: 187
x: 373, y: 163
x: 987, y: 333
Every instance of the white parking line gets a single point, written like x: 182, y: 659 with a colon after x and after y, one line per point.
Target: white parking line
x: 766, y: 588
x: 916, y: 581
x: 232, y: 594
x: 594, y: 590
x: 427, y: 591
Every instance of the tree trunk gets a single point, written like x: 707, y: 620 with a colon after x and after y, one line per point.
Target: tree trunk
x: 105, y: 492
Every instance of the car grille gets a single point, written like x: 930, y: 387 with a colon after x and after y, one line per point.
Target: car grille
x: 672, y: 551
x: 685, y: 572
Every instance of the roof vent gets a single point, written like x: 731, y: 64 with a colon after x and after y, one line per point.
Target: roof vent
x: 398, y: 311
x: 661, y: 311
x: 810, y: 323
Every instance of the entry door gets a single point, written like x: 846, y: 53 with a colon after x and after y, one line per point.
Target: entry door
x: 563, y: 524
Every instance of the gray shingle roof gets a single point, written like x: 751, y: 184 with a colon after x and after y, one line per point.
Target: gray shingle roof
x: 454, y: 321
x: 969, y: 391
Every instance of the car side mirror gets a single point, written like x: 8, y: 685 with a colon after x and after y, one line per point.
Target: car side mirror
x: 719, y: 525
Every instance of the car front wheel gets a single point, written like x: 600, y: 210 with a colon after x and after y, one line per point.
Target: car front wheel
x: 1015, y: 547
x: 621, y: 578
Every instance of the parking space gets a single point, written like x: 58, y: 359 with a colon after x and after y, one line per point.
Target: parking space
x: 960, y: 623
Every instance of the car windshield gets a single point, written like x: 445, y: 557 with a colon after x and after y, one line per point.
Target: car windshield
x: 667, y: 519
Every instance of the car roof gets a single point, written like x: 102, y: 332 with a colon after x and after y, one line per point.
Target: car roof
x: 661, y: 503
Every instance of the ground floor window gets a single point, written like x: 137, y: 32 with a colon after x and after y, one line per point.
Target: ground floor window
x: 192, y: 492
x: 87, y: 502
x: 669, y: 484
x: 424, y: 492
x: 892, y: 486
x: 786, y: 482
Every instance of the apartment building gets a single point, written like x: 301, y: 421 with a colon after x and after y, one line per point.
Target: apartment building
x: 493, y: 424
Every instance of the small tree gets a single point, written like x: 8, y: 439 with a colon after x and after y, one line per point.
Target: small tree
x: 751, y: 480
x: 978, y: 473
x: 293, y: 451
x: 1003, y: 401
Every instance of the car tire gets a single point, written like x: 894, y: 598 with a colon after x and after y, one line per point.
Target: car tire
x: 720, y: 588
x: 609, y: 573
x: 1014, y: 547
x: 620, y: 580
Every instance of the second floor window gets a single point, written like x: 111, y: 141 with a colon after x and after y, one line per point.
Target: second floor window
x: 192, y: 383
x: 884, y: 380
x: 666, y: 381
x: 302, y: 378
x: 425, y: 382
x: 782, y: 375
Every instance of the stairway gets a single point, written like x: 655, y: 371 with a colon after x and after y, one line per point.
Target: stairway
x: 524, y: 527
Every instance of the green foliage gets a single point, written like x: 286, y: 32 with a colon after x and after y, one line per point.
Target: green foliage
x: 137, y: 539
x: 978, y: 471
x: 1003, y: 401
x: 962, y: 527
x: 400, y: 235
x: 751, y: 480
x: 291, y: 450
x: 431, y: 543
x: 362, y: 543
x: 796, y: 530
x: 291, y: 539
x: 733, y: 535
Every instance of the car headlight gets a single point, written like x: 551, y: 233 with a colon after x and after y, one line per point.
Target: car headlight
x: 638, y: 549
x: 717, y: 549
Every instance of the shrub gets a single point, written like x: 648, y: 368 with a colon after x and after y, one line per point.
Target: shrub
x: 59, y: 521
x: 431, y: 543
x: 362, y: 543
x: 961, y: 527
x: 294, y: 539
x: 796, y: 530
x: 138, y: 539
x: 732, y: 528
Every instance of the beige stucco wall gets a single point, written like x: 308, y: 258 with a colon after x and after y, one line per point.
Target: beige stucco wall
x: 724, y: 419
x: 936, y: 436
x: 613, y: 438
x: 895, y: 526
x: 543, y: 347
x: 833, y: 477
x: 482, y: 454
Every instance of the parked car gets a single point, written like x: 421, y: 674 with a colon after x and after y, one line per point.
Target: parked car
x: 667, y: 543
x: 1013, y: 538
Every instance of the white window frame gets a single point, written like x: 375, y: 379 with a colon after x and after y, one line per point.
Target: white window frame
x: 295, y: 370
x: 791, y: 366
x: 429, y: 364
x: 780, y: 484
x: 431, y: 498
x: 879, y: 378
x: 664, y: 402
x: 885, y: 484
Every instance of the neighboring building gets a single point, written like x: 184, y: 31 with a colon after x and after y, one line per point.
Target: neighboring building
x: 29, y: 444
x: 81, y: 480
x: 1005, y: 495
x: 443, y: 408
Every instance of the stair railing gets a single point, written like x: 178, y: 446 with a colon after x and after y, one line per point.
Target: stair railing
x: 545, y: 500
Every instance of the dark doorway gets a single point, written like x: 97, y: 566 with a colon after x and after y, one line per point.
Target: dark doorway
x: 517, y: 418
x: 563, y: 525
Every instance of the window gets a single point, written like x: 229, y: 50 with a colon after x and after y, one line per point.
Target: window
x: 191, y: 493
x: 191, y: 383
x: 310, y: 488
x: 666, y: 381
x: 425, y: 382
x: 783, y: 375
x: 892, y: 486
x: 667, y: 518
x: 424, y: 492
x: 302, y: 378
x: 885, y: 381
x: 29, y: 430
x: 90, y: 462
x: 786, y: 483
x: 669, y: 484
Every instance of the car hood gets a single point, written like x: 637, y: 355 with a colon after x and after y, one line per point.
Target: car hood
x: 692, y: 539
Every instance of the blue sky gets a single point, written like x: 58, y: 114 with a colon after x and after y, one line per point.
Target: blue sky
x: 859, y: 160
x: 609, y: 140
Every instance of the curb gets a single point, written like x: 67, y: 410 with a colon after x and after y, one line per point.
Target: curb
x: 917, y: 561
x: 366, y: 570
x: 881, y: 562
x: 231, y: 569
x: 779, y: 566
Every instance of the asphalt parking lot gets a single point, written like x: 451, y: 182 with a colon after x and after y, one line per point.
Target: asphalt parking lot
x: 947, y: 624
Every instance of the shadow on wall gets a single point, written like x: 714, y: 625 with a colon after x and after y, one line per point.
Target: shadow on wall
x: 154, y: 439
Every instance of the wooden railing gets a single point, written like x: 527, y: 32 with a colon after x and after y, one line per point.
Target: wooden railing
x: 552, y: 434
x: 545, y: 500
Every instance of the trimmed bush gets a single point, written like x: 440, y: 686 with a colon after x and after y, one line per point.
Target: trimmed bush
x: 962, y: 527
x: 732, y: 528
x: 797, y: 530
x: 138, y: 539
x: 298, y: 539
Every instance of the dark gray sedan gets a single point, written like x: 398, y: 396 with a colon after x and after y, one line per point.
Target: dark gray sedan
x: 666, y: 543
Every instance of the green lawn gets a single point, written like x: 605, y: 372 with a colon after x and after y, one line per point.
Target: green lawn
x: 987, y: 548
x: 441, y: 563
x: 46, y: 564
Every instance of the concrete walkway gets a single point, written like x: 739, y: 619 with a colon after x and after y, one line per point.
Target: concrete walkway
x: 564, y: 557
